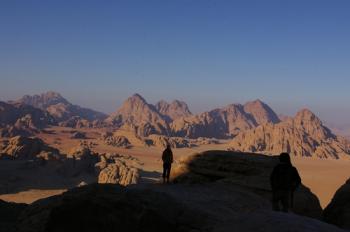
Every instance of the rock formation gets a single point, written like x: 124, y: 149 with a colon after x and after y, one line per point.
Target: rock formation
x: 116, y: 140
x: 118, y: 169
x: 304, y: 135
x: 78, y: 135
x: 140, y: 115
x: 218, y: 123
x: 174, y: 110
x: 338, y: 211
x: 20, y: 147
x: 76, y: 122
x: 261, y: 112
x: 248, y: 171
x: 21, y: 119
x: 59, y: 107
x: 118, y: 172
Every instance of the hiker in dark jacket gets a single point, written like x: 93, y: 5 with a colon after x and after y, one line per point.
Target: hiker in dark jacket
x: 284, y: 181
x: 167, y: 158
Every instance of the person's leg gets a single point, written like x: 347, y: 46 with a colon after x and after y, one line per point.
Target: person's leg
x: 168, y: 172
x: 164, y: 172
x: 275, y: 201
x: 285, y: 201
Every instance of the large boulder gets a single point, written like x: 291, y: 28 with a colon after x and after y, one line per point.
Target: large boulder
x: 120, y: 173
x: 116, y: 140
x: 338, y: 211
x: 248, y: 171
x: 117, y: 169
x: 78, y: 135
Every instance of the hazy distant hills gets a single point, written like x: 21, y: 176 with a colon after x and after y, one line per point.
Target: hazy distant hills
x: 59, y: 107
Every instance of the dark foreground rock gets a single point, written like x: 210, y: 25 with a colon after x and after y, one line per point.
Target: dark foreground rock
x: 338, y: 211
x: 179, y: 207
x: 8, y: 215
x: 109, y: 208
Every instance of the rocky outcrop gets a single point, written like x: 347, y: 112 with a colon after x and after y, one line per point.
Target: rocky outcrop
x: 338, y: 211
x: 174, y: 110
x: 19, y: 119
x: 76, y: 122
x: 20, y: 147
x: 116, y: 140
x: 118, y: 172
x: 248, y: 171
x: 304, y: 135
x: 141, y: 116
x: 174, y: 208
x: 61, y: 109
x: 117, y: 169
x: 78, y: 135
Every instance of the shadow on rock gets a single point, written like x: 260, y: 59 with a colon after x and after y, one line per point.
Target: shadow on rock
x: 244, y: 170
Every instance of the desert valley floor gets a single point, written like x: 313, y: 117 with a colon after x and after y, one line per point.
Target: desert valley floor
x: 322, y: 176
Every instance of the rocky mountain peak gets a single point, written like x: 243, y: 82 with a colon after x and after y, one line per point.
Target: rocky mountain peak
x: 306, y: 115
x: 135, y: 100
x: 174, y: 110
x: 261, y: 112
x: 137, y: 112
x: 43, y: 100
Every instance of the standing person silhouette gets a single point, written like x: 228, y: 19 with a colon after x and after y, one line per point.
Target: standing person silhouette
x: 167, y: 158
x: 284, y: 181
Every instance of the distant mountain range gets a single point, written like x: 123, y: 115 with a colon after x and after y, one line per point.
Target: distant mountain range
x: 59, y: 107
x: 253, y: 126
x: 303, y: 135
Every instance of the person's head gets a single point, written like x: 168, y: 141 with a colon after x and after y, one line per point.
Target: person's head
x: 168, y: 147
x: 285, y: 158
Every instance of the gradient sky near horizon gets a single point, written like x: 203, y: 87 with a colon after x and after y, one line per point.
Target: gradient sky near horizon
x: 291, y: 54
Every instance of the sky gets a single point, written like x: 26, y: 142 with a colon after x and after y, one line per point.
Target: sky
x: 291, y: 54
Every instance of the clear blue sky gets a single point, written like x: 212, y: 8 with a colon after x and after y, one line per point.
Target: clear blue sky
x: 291, y: 54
